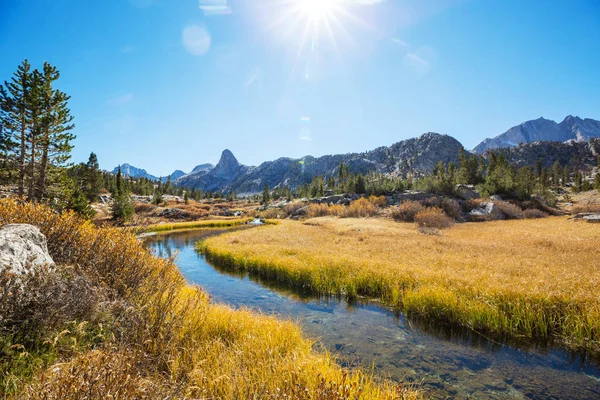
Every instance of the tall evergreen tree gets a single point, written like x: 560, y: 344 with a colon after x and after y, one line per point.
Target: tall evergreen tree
x: 15, y: 119
x: 93, y: 178
x: 266, y: 197
x: 55, y: 131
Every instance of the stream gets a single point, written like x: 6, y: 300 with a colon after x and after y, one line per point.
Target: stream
x: 446, y: 362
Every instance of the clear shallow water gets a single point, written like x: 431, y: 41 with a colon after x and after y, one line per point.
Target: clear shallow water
x: 449, y: 363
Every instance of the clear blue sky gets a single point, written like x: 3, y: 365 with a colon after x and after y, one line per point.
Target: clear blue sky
x: 169, y: 84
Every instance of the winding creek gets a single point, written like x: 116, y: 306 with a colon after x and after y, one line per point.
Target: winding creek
x: 449, y: 363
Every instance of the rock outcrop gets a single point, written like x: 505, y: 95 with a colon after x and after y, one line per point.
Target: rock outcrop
x: 22, y: 248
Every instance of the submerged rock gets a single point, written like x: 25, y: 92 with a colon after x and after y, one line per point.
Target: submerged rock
x: 22, y: 248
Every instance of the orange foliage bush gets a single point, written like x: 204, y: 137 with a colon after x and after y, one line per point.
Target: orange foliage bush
x: 432, y: 217
x: 407, y: 211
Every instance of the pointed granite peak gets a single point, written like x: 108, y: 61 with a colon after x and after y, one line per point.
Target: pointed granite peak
x: 227, y: 159
x: 228, y: 165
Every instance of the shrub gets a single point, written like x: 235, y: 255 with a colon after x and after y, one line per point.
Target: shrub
x: 379, y: 201
x: 293, y: 207
x: 533, y: 213
x: 361, y: 208
x: 318, y: 210
x: 585, y: 208
x: 144, y: 208
x: 432, y: 217
x: 407, y: 211
x: 338, y: 210
x: 509, y: 210
x: 272, y: 213
x: 123, y: 208
x: 451, y: 208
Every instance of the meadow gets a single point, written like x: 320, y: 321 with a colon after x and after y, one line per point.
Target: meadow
x: 212, y: 223
x: 519, y: 278
x: 115, y: 321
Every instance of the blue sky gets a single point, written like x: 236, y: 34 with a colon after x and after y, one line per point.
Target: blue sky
x: 169, y: 84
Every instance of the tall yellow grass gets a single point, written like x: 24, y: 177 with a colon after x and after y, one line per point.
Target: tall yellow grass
x: 533, y: 278
x: 179, y: 344
x: 214, y: 223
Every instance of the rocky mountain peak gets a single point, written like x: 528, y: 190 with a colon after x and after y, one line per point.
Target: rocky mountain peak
x: 228, y: 165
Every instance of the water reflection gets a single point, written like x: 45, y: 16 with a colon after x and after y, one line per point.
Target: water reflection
x: 451, y: 362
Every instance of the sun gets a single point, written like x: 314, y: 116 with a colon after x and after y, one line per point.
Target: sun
x: 317, y: 9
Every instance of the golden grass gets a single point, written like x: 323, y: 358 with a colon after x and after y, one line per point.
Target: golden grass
x: 167, y: 339
x: 533, y: 278
x: 213, y: 223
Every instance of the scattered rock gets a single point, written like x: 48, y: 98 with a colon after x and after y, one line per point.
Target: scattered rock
x: 401, y: 197
x: 486, y: 211
x: 301, y: 212
x: 173, y: 213
x: 589, y: 217
x: 22, y: 248
x: 467, y: 192
x: 595, y: 218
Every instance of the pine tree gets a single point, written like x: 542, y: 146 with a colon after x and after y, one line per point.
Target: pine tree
x: 122, y: 207
x: 565, y: 175
x: 15, y: 119
x: 55, y: 128
x: 360, y: 184
x: 266, y: 197
x: 93, y: 178
x: 597, y: 181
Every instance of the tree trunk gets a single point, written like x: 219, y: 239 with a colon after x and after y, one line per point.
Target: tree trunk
x: 31, y: 194
x: 22, y: 159
x: 41, y: 185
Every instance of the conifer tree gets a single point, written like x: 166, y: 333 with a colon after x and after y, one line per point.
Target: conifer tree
x: 360, y: 184
x: 93, y: 178
x: 122, y: 207
x: 266, y: 197
x: 15, y: 118
x: 55, y: 130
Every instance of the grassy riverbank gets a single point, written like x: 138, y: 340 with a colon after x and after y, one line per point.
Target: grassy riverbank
x: 532, y: 278
x: 213, y: 223
x: 115, y: 321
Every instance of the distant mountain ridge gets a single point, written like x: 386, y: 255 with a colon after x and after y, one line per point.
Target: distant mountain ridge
x: 541, y: 129
x: 571, y: 141
x: 417, y: 155
x: 134, y: 172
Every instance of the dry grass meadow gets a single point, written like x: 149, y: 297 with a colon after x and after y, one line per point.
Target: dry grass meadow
x: 521, y: 278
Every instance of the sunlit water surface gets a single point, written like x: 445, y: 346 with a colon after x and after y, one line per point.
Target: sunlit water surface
x: 450, y: 363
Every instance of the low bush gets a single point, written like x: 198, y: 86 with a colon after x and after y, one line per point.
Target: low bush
x: 379, y: 201
x: 585, y: 208
x: 451, y: 208
x: 361, y: 208
x: 407, y: 211
x: 432, y: 217
x: 318, y: 210
x: 534, y: 213
x: 293, y: 207
x: 509, y: 210
x: 272, y: 213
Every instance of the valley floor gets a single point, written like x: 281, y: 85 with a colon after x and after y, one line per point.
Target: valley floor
x: 521, y: 278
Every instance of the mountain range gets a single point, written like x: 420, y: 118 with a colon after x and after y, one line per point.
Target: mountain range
x: 133, y: 172
x: 572, y: 139
x: 541, y: 129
